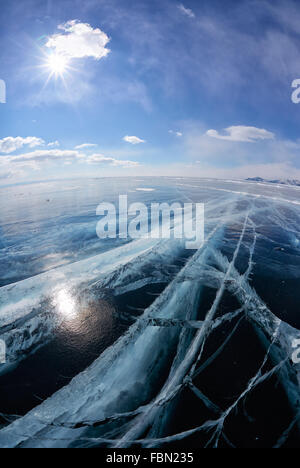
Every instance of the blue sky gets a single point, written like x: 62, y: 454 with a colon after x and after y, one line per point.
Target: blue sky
x: 125, y: 88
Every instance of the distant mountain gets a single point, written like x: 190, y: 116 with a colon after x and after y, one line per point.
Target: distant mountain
x: 294, y: 182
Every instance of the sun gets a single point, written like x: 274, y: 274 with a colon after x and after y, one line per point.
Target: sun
x: 57, y: 64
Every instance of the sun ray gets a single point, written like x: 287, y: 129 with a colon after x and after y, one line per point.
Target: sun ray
x: 57, y: 65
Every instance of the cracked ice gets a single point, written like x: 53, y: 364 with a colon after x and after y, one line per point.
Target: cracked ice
x: 206, y: 363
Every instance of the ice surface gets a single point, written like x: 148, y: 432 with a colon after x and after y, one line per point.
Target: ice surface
x: 26, y: 324
x: 119, y: 400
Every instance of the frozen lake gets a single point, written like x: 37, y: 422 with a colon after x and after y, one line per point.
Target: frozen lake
x: 115, y: 343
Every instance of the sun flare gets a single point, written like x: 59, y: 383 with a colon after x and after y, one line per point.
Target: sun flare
x: 57, y: 64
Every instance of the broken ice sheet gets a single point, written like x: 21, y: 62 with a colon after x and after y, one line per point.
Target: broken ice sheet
x: 206, y: 360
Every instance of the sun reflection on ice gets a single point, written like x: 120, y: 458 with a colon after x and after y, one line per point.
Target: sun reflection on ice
x: 66, y: 305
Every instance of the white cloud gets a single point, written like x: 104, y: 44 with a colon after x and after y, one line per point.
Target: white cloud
x: 79, y: 40
x: 186, y: 11
x: 85, y: 146
x: 178, y: 134
x: 242, y: 134
x: 34, y: 159
x: 53, y: 144
x: 215, y: 154
x: 11, y: 144
x: 104, y: 160
x: 134, y: 140
x: 40, y: 155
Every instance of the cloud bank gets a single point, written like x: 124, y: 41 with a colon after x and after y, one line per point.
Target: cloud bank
x: 11, y: 144
x: 14, y: 164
